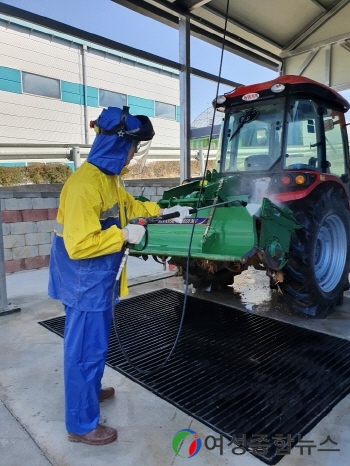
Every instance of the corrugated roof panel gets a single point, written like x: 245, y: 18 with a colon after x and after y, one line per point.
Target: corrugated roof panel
x: 277, y: 20
x: 334, y: 27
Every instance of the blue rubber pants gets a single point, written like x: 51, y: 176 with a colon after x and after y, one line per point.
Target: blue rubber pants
x: 85, y: 350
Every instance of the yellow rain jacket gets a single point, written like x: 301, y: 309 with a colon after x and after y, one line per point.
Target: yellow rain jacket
x: 88, y: 245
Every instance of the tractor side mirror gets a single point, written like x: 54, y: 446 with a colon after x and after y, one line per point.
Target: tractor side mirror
x: 328, y: 124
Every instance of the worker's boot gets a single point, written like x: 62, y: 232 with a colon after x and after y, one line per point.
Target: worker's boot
x: 99, y: 436
x: 105, y: 394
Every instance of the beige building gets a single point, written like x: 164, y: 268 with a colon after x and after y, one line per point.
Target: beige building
x: 53, y: 84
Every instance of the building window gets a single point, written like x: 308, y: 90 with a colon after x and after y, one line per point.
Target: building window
x: 111, y: 99
x: 165, y: 110
x: 41, y: 85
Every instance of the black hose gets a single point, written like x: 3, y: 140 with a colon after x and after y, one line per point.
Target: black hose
x: 158, y: 368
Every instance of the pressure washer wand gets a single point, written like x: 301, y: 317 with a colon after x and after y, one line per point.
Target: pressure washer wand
x: 236, y: 202
x: 144, y: 221
x: 123, y: 262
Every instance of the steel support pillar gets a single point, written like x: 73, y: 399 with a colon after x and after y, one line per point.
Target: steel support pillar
x: 185, y: 97
x: 5, y: 306
x: 86, y: 116
x: 76, y: 157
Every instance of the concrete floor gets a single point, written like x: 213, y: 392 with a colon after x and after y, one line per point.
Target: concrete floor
x: 32, y: 430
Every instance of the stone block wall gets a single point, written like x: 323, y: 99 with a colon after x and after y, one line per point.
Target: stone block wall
x: 28, y: 215
x: 153, y: 189
x: 29, y: 212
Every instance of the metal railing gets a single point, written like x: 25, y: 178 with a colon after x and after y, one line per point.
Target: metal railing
x: 50, y: 153
x: 43, y: 152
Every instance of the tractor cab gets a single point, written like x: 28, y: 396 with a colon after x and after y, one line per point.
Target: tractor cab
x: 288, y: 124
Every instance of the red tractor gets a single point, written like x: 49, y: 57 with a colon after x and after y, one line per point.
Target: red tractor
x: 283, y: 151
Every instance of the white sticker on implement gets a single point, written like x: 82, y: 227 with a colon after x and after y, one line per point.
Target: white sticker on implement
x: 251, y: 96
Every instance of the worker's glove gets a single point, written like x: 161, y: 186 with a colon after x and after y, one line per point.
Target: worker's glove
x: 183, y: 211
x: 135, y: 233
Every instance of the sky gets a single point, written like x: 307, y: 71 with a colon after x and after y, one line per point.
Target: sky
x: 107, y: 18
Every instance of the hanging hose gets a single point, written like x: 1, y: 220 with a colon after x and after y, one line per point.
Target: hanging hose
x: 158, y: 368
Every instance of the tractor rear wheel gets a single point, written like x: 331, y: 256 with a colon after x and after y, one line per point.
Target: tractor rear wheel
x: 317, y: 272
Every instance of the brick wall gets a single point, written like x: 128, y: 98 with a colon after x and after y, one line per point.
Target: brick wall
x: 29, y: 212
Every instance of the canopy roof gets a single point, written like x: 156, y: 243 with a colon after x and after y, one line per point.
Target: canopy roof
x: 303, y: 37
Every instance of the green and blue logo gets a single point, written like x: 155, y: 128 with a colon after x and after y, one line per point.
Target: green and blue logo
x: 194, y: 446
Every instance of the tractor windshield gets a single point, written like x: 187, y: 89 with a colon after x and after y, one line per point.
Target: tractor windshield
x: 251, y: 137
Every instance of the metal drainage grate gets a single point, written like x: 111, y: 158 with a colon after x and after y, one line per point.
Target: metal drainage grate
x: 238, y: 373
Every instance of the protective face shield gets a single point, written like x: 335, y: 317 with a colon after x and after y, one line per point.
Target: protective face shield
x: 138, y: 162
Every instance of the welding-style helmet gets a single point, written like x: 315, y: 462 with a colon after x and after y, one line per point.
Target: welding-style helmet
x: 143, y: 133
x: 117, y: 131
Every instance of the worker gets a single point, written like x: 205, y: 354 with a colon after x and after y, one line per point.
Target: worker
x: 88, y: 244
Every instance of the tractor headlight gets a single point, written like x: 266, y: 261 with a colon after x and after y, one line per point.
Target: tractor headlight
x: 278, y: 88
x: 218, y: 103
